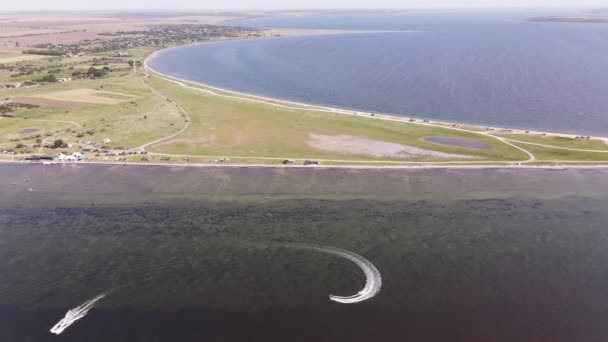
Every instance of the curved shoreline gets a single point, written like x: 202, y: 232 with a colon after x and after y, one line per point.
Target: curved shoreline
x: 338, y: 110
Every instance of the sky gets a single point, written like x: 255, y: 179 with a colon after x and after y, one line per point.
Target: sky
x: 32, y: 5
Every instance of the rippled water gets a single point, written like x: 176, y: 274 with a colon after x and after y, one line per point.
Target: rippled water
x: 488, y: 68
x: 463, y: 255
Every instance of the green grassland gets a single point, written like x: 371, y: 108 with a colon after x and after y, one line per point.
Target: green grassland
x: 555, y: 154
x: 15, y: 131
x: 129, y: 124
x: 558, y: 141
x: 236, y: 127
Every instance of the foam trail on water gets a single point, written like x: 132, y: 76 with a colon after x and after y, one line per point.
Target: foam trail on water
x: 373, y: 279
x: 75, y: 314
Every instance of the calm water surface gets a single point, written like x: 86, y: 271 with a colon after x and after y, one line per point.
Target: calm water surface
x: 193, y: 254
x: 488, y: 68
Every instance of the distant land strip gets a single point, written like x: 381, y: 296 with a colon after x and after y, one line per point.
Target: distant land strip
x: 582, y: 19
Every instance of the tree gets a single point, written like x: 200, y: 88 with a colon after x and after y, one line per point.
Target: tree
x: 93, y: 72
x: 48, y: 78
x: 58, y: 143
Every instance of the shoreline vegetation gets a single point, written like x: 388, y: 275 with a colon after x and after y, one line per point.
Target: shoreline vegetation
x: 179, y: 122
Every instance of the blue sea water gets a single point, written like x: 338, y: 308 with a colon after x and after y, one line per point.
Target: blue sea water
x: 488, y: 68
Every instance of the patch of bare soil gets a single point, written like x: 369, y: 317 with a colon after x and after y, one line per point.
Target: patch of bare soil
x: 5, y: 73
x: 51, y: 103
x: 374, y: 148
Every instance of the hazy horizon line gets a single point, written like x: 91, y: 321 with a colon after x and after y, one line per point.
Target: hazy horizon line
x: 199, y: 10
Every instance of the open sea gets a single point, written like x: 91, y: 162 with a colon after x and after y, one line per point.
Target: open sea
x: 153, y: 253
x: 489, y: 68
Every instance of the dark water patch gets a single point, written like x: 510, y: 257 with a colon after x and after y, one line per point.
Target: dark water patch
x: 455, y: 323
x: 481, y: 265
x: 28, y: 130
x: 458, y: 142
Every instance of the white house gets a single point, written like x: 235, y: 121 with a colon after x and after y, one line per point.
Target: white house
x: 76, y: 156
x: 79, y: 156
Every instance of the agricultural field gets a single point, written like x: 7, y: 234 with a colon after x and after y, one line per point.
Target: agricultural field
x: 15, y: 57
x: 84, y: 96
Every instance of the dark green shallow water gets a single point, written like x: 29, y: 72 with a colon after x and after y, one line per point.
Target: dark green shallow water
x: 465, y: 255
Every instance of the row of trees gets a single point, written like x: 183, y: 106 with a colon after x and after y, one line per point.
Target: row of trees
x: 44, y: 52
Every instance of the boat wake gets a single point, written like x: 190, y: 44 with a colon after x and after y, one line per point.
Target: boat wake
x: 373, y: 284
x: 373, y: 279
x: 75, y: 314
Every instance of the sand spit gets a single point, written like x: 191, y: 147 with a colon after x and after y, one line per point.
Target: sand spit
x: 374, y: 148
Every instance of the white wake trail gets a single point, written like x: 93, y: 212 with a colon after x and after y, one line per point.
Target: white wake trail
x: 373, y: 279
x: 75, y: 314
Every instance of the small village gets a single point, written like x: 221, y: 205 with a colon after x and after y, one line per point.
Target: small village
x: 157, y: 36
x: 67, y: 157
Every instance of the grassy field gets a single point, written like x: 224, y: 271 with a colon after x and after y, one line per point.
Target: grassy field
x: 15, y: 131
x: 86, y: 95
x: 556, y: 154
x: 129, y: 123
x: 12, y: 58
x: 559, y: 141
x: 236, y: 127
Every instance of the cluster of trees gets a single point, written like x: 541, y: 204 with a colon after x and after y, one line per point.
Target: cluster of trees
x: 9, y: 107
x: 92, y: 72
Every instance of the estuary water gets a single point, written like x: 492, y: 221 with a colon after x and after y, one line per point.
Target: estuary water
x: 131, y: 253
x: 486, y: 68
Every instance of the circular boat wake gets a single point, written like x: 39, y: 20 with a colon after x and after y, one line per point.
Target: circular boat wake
x: 373, y: 279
